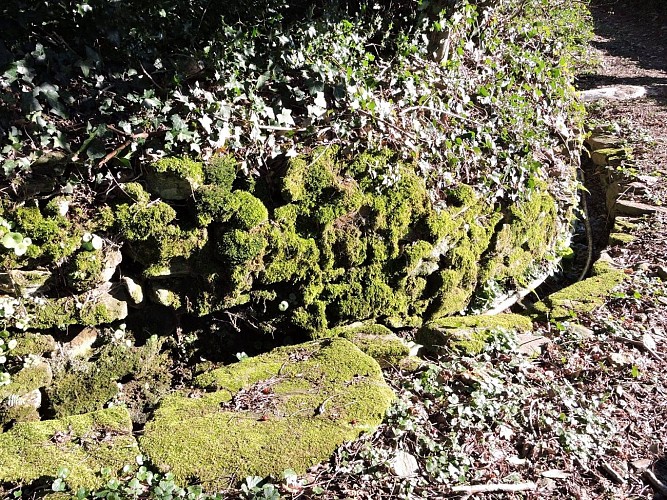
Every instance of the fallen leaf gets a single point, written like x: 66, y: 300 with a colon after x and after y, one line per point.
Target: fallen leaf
x: 649, y: 342
x: 641, y: 464
x: 404, y: 464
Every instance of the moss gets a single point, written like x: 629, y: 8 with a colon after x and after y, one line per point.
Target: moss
x: 54, y: 237
x: 468, y: 334
x: 620, y: 238
x: 250, y: 213
x: 221, y: 171
x: 85, y: 270
x: 88, y: 386
x: 16, y: 414
x: 375, y: 340
x: 364, y: 293
x: 292, y: 258
x: 82, y: 444
x: 139, y: 222
x: 81, y: 310
x: 214, y: 204
x: 175, y: 178
x: 183, y: 167
x: 27, y: 380
x: 239, y: 247
x: 32, y: 343
x: 136, y: 193
x: 315, y: 396
x: 582, y: 297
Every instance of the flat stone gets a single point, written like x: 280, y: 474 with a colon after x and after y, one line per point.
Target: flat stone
x: 20, y: 283
x: 613, y: 93
x: 83, y: 444
x: 289, y: 408
x: 582, y: 297
x: 635, y: 208
x: 601, y: 141
x: 468, y: 334
x: 531, y: 345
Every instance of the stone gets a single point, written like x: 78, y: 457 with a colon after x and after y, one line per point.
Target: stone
x: 610, y: 156
x: 289, y: 408
x: 531, y: 345
x: 378, y: 341
x: 620, y: 238
x: 89, y: 309
x: 614, y: 93
x: 581, y: 297
x: 134, y: 291
x: 404, y: 464
x: 20, y: 283
x: 601, y: 141
x: 35, y: 375
x: 83, y: 444
x: 662, y: 272
x: 468, y: 334
x: 33, y: 343
x: 81, y: 345
x: 635, y: 209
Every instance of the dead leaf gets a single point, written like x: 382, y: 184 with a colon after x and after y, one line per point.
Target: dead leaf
x: 642, y: 464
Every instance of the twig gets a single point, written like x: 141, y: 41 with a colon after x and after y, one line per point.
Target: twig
x: 641, y: 345
x: 126, y: 144
x: 612, y: 473
x: 492, y: 488
x: 655, y: 482
x: 441, y: 111
x: 392, y: 125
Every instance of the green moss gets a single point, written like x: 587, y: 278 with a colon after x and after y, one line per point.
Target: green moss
x: 54, y: 238
x: 291, y: 258
x: 240, y: 247
x: 16, y: 414
x: 88, y: 386
x: 221, y: 171
x: 315, y: 395
x: 81, y: 310
x: 468, y: 334
x: 82, y: 444
x: 250, y: 213
x: 620, y: 238
x: 183, y: 167
x: 175, y: 178
x: 85, y: 270
x: 139, y: 222
x: 32, y: 343
x: 136, y: 193
x: 582, y: 297
x: 375, y: 340
x: 27, y: 380
x: 214, y: 204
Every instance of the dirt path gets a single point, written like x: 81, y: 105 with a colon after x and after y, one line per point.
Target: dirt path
x: 631, y: 45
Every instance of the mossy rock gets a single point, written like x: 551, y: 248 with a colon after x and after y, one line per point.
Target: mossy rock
x: 175, y: 178
x: 289, y: 408
x: 468, y: 334
x: 82, y: 386
x: 35, y: 376
x: 83, y: 444
x: 325, y: 237
x: 378, y: 341
x: 94, y: 307
x: 582, y: 297
x: 32, y: 343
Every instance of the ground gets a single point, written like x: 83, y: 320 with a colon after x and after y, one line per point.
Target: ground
x: 592, y: 407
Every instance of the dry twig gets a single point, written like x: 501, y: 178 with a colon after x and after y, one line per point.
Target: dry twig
x: 494, y: 488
